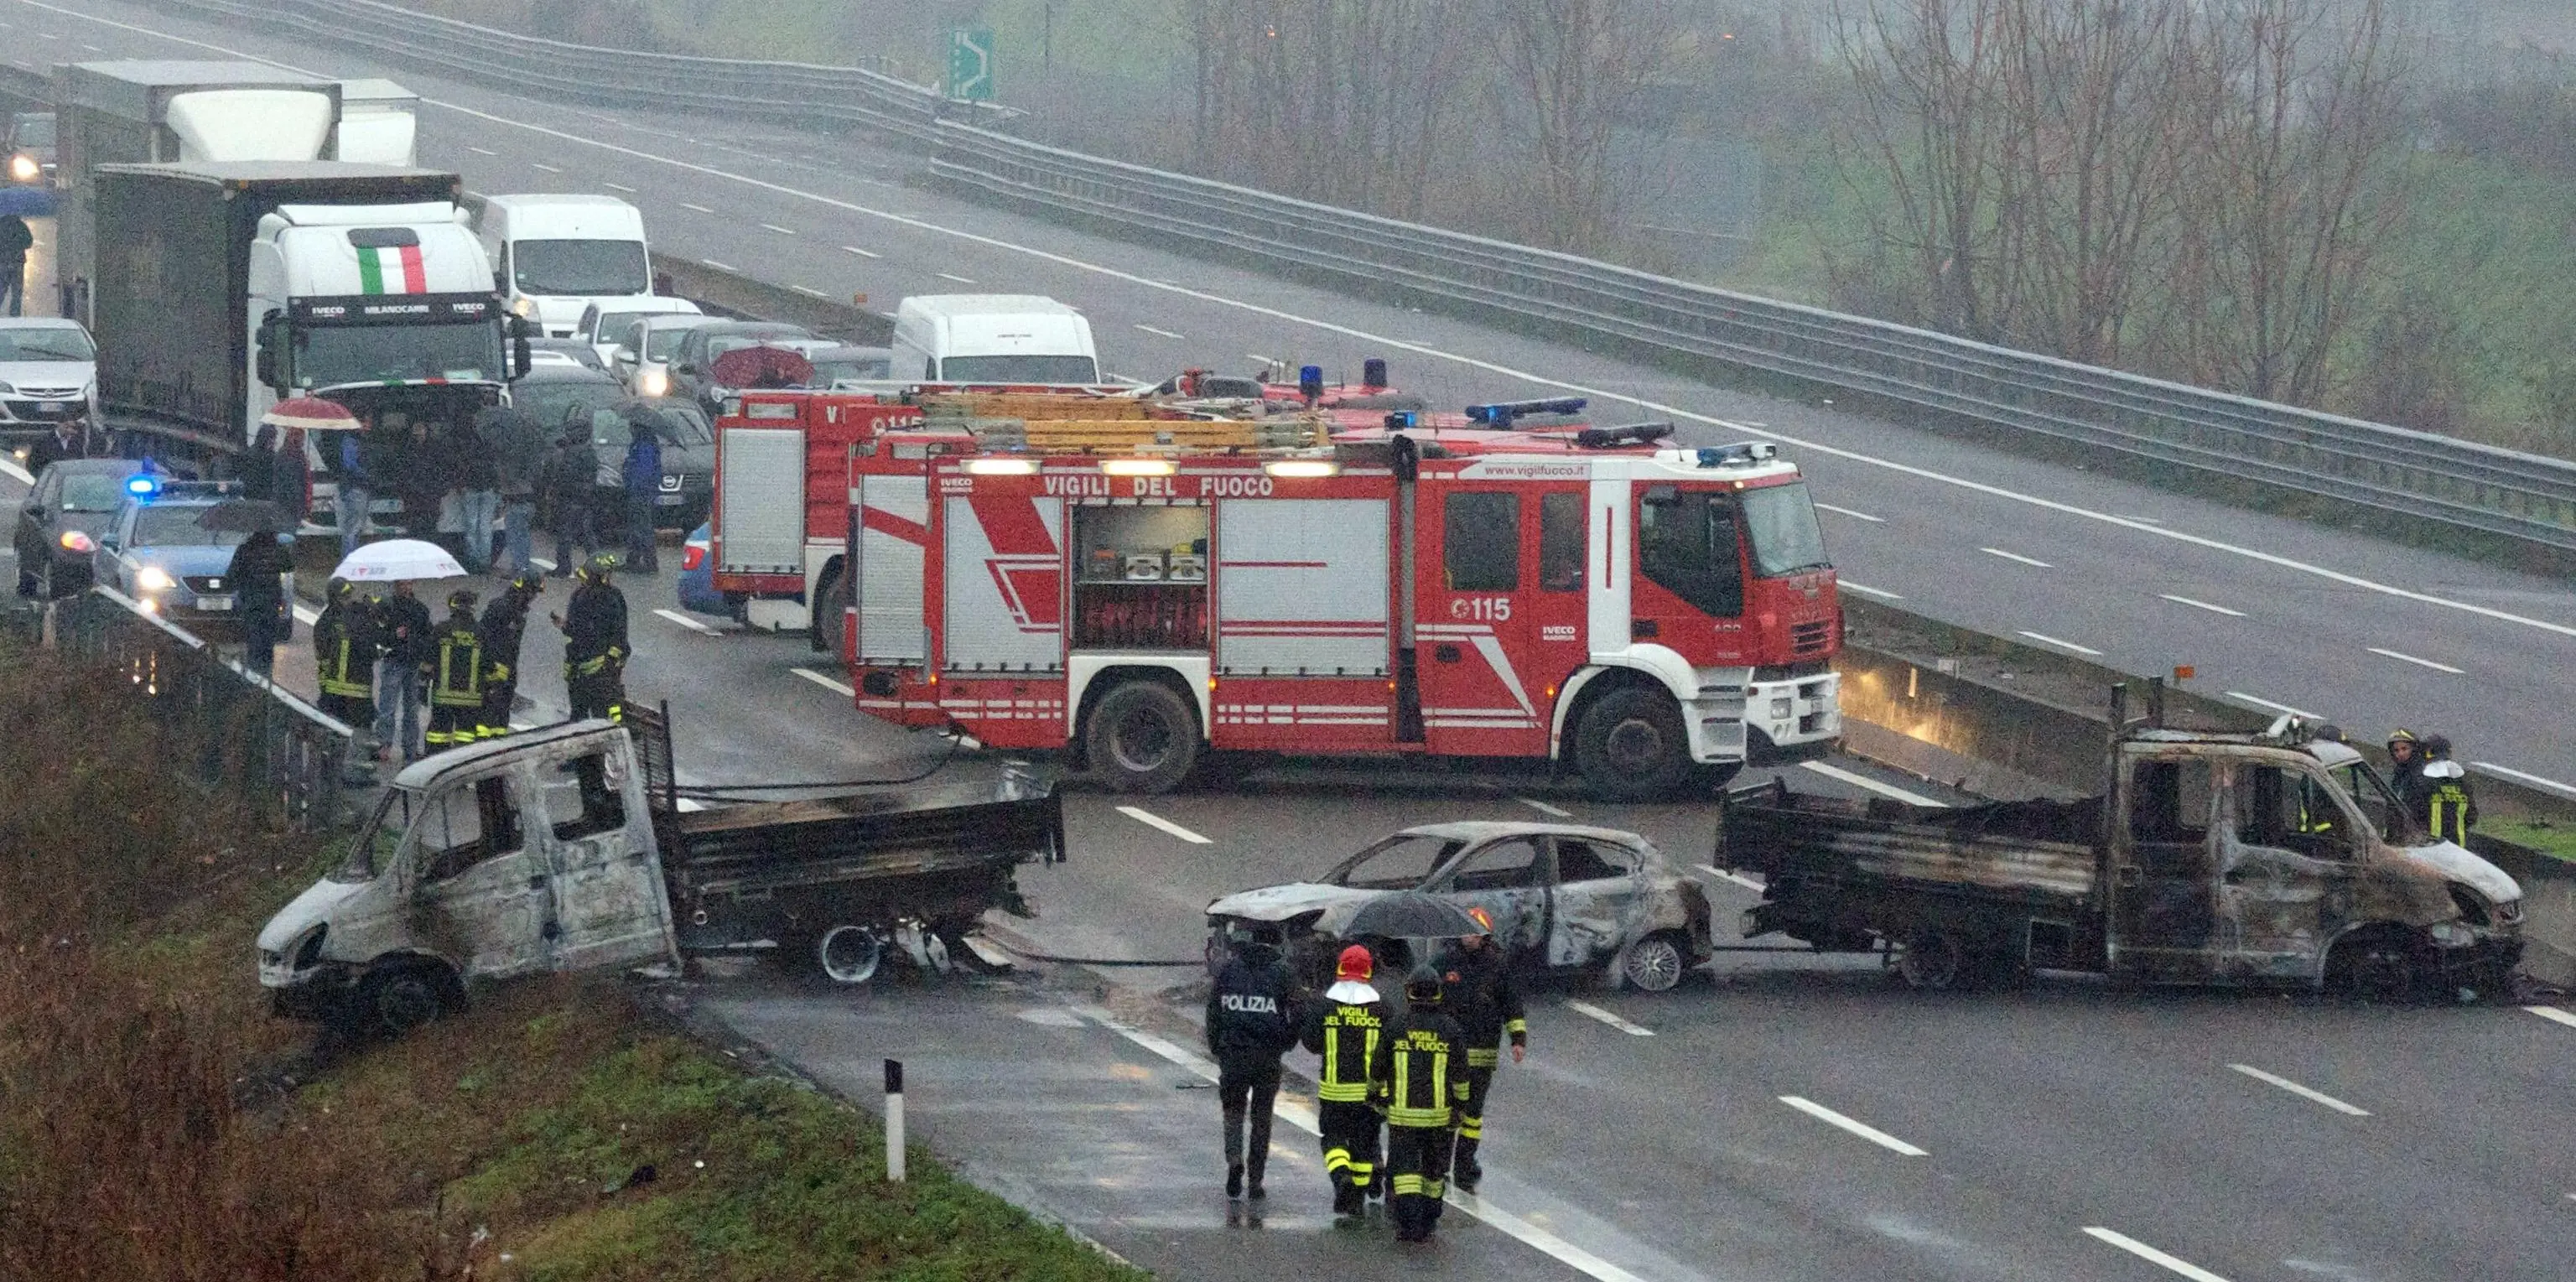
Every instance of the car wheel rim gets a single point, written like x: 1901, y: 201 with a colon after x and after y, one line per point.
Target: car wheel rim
x: 1141, y: 741
x: 406, y: 1004
x: 850, y: 954
x: 1931, y: 959
x: 1655, y: 965
x: 1635, y: 746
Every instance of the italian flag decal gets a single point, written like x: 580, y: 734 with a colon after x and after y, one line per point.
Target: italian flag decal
x: 391, y: 269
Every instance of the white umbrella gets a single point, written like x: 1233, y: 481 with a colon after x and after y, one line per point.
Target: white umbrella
x: 395, y: 559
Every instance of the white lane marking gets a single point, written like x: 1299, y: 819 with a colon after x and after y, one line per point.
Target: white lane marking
x: 1858, y: 780
x: 1606, y: 1017
x: 2242, y: 697
x: 1161, y: 333
x: 2534, y: 780
x: 827, y: 683
x: 93, y: 48
x: 699, y: 208
x: 783, y: 231
x: 16, y: 473
x: 1843, y: 511
x: 481, y: 151
x: 1880, y: 593
x: 2139, y: 525
x: 1544, y: 808
x: 693, y: 625
x: 618, y: 187
x: 2421, y: 663
x: 1302, y: 1117
x: 863, y: 253
x: 306, y: 614
x: 1254, y: 357
x: 1861, y: 1129
x: 952, y: 276
x: 2016, y: 556
x: 808, y: 289
x: 717, y: 265
x: 2152, y: 1255
x: 2302, y: 1092
x: 1723, y: 875
x: 533, y: 164
x: 2555, y: 1016
x: 2202, y: 605
x: 2045, y: 639
x: 1152, y: 820
x: 691, y: 805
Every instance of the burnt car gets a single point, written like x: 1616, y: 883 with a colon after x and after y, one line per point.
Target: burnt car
x: 1562, y: 897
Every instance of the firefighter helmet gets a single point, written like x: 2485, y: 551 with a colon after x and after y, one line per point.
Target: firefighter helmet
x: 1355, y: 963
x: 341, y: 589
x: 2437, y: 747
x: 1422, y: 987
x: 462, y: 599
x: 597, y: 568
x: 2400, y: 735
x: 528, y: 581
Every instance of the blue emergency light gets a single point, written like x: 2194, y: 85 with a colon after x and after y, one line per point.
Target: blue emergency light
x: 1310, y: 381
x: 1501, y: 415
x: 142, y: 487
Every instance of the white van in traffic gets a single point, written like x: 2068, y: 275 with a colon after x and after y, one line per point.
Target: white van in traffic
x: 993, y: 338
x: 555, y: 255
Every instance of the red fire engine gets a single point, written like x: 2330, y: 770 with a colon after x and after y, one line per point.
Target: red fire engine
x: 1154, y: 593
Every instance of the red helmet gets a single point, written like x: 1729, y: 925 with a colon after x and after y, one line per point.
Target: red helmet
x: 1355, y: 963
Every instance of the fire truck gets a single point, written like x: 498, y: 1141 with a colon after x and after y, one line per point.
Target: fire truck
x: 781, y: 526
x: 1151, y: 596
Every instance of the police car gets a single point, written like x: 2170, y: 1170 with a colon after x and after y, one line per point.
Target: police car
x: 157, y: 551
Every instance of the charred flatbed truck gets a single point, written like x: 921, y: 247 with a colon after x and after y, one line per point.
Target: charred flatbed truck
x: 2245, y: 859
x: 565, y: 849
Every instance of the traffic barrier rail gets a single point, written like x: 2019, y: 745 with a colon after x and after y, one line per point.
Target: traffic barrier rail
x: 2417, y: 475
x: 235, y: 732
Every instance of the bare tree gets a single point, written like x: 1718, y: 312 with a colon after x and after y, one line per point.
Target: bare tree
x: 1572, y: 70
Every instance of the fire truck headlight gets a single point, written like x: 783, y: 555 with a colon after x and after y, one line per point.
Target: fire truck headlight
x: 1780, y: 709
x: 1001, y: 467
x: 1303, y: 467
x: 1139, y: 466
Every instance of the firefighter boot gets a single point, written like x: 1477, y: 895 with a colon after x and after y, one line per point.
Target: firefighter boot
x: 1234, y: 1179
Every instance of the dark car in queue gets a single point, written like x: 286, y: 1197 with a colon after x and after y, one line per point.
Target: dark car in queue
x: 692, y: 367
x: 157, y: 550
x: 60, y: 521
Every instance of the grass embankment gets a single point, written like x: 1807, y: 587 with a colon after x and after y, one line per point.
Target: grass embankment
x: 155, y: 1123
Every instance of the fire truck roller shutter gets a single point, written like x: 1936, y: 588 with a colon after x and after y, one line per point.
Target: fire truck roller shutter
x: 763, y: 501
x: 1302, y: 587
x: 893, y: 544
x: 1004, y: 584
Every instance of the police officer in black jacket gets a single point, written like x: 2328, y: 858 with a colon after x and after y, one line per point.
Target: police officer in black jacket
x: 1251, y: 1022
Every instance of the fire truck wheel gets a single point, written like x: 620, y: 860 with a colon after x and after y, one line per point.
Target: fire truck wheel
x: 823, y: 624
x: 1631, y: 746
x: 1141, y: 738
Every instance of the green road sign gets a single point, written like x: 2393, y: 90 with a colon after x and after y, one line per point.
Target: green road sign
x: 970, y: 64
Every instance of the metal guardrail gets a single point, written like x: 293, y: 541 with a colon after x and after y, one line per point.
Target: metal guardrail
x: 237, y: 733
x: 2415, y: 474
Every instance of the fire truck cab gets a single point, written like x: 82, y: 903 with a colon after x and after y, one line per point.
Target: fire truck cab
x: 1645, y: 614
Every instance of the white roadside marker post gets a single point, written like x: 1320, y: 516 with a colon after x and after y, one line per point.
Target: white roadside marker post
x: 894, y: 1120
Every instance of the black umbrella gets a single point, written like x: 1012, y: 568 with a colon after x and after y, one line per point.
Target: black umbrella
x: 247, y: 516
x: 1410, y: 914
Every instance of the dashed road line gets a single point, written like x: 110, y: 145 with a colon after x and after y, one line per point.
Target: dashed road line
x: 808, y: 289
x: 1865, y: 589
x: 2242, y: 697
x: 535, y: 164
x: 618, y: 187
x: 306, y: 614
x: 2421, y: 663
x: 840, y: 688
x: 1544, y: 808
x: 863, y: 253
x: 2016, y: 556
x: 1723, y: 875
x: 1861, y: 1129
x: 1843, y: 511
x: 953, y: 276
x: 1859, y: 780
x: 2553, y: 1015
x: 2045, y: 639
x: 783, y: 231
x: 2511, y: 773
x: 698, y: 208
x: 2202, y: 605
x: 1613, y: 1020
x: 2153, y: 1256
x: 2314, y: 1096
x: 1301, y: 1116
x: 479, y: 151
x: 722, y: 267
x: 695, y: 625
x: 1152, y: 820
x: 1161, y: 333
x: 15, y: 472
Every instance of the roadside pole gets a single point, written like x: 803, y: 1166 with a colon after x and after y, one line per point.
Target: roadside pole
x: 894, y: 1120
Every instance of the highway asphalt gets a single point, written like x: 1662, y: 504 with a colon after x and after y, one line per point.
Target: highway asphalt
x: 1781, y: 1117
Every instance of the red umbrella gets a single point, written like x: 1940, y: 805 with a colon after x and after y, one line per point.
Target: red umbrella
x: 762, y: 366
x: 312, y: 414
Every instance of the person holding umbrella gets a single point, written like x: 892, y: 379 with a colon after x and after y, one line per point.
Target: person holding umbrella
x: 516, y: 441
x: 258, y: 596
x: 403, y: 634
x: 1420, y: 1075
x: 568, y: 481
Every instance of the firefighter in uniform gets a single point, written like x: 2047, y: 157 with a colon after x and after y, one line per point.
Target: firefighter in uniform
x: 1251, y: 1022
x: 456, y: 677
x: 344, y: 656
x: 2450, y: 808
x: 1420, y: 1074
x: 2406, y: 769
x: 1345, y: 1028
x: 1487, y: 1006
x: 594, y: 628
x: 505, y: 625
